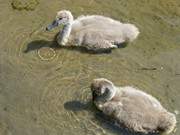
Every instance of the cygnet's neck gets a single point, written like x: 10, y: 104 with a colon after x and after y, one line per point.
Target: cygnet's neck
x: 65, y: 33
x: 108, y: 94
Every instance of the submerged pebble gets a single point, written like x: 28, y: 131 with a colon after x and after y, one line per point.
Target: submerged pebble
x: 24, y: 4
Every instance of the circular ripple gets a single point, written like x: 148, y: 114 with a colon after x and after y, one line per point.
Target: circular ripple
x: 46, y: 53
x: 66, y: 104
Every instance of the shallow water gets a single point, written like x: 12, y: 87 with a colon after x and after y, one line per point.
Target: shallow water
x: 46, y: 91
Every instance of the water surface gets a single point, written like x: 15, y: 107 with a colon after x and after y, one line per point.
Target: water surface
x: 46, y: 91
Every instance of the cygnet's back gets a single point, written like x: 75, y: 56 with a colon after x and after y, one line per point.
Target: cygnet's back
x: 139, y: 99
x: 104, y: 28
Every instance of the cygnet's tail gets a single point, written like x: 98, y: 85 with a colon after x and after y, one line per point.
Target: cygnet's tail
x: 130, y: 31
x: 168, y: 122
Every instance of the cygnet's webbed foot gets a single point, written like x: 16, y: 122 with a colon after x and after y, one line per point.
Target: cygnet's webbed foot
x: 120, y: 44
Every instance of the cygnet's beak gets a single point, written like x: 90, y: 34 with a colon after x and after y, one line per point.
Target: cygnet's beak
x: 54, y: 24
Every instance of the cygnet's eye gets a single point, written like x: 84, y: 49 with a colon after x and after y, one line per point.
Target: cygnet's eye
x: 60, y: 18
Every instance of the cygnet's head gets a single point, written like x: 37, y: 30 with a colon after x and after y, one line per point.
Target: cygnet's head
x: 102, y: 88
x: 63, y: 17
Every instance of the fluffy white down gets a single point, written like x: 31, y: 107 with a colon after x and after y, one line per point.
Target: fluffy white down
x: 95, y: 32
x: 133, y: 108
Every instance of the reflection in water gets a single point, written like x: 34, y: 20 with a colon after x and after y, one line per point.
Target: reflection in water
x: 53, y: 97
x: 36, y: 45
x: 77, y: 106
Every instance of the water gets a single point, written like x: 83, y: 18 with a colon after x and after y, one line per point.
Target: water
x: 46, y: 91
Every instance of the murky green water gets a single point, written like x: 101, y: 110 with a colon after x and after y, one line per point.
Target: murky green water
x: 46, y: 91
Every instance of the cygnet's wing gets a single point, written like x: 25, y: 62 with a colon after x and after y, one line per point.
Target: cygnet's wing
x: 96, y: 41
x: 143, y: 99
x: 140, y: 108
x: 97, y: 32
